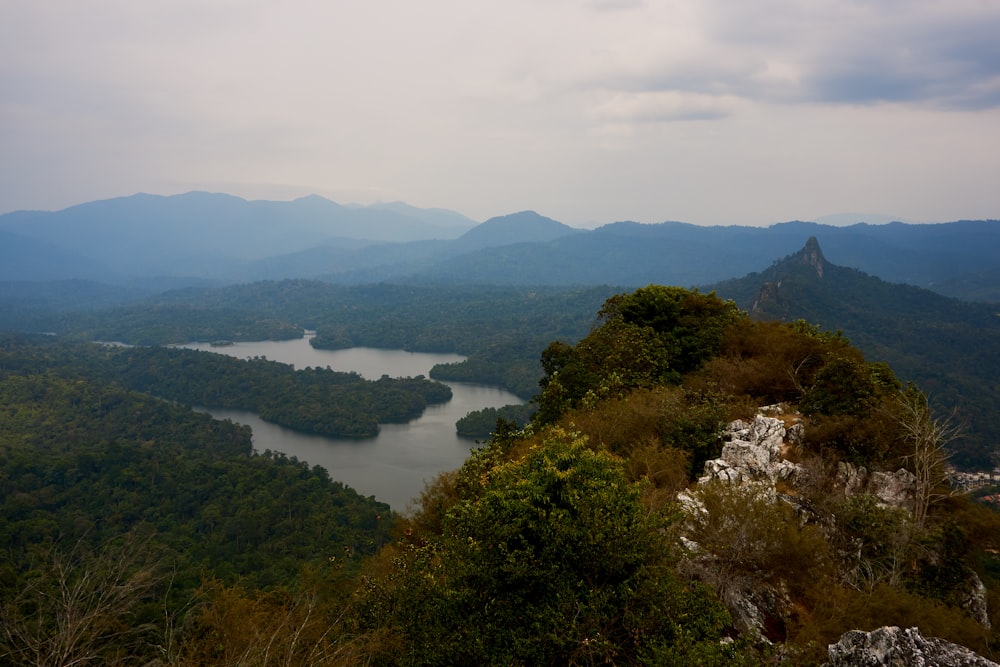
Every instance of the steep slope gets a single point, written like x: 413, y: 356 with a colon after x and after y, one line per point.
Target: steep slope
x: 948, y: 347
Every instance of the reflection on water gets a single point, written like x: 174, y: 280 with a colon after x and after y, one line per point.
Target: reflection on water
x: 394, y: 465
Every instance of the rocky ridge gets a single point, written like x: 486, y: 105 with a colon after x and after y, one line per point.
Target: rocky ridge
x: 755, y: 458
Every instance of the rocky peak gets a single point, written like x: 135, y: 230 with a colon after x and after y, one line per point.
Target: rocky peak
x: 812, y: 256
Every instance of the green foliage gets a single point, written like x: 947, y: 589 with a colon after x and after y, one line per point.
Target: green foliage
x: 664, y: 417
x: 312, y: 400
x: 551, y: 545
x: 86, y: 461
x: 849, y: 401
x: 949, y: 348
x: 522, y: 573
x: 689, y: 324
x: 752, y: 536
x: 82, y: 606
x: 874, y: 539
x: 482, y: 423
x: 500, y: 329
x: 146, y: 324
x: 651, y: 336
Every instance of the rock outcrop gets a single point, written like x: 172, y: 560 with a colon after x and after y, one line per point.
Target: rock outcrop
x: 894, y: 489
x: 894, y: 647
x: 753, y: 459
x: 753, y: 452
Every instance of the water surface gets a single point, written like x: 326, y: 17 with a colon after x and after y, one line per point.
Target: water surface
x: 394, y: 465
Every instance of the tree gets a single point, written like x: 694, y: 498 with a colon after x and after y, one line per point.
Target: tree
x: 650, y: 337
x: 79, y: 607
x: 928, y: 438
x: 548, y: 557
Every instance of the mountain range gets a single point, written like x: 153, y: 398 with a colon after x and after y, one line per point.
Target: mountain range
x: 198, y: 236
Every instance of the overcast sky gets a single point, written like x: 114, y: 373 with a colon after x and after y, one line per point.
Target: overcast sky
x: 705, y: 111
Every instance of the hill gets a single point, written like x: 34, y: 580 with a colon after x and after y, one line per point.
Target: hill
x: 523, y: 227
x: 948, y: 347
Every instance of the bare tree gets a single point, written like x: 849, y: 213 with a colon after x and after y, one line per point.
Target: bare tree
x: 74, y: 607
x: 928, y: 437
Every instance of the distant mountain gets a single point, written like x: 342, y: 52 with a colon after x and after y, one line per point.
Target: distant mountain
x: 212, y: 235
x: 628, y: 253
x: 228, y: 240
x: 523, y: 227
x: 438, y: 217
x: 844, y: 219
x: 950, y: 348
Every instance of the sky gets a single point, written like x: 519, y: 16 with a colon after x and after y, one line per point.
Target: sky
x: 714, y: 112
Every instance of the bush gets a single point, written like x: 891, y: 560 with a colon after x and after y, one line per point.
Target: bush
x: 523, y: 572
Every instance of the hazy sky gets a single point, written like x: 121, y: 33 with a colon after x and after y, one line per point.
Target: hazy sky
x: 706, y: 111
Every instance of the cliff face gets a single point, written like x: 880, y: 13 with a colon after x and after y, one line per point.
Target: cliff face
x: 813, y: 256
x: 895, y: 647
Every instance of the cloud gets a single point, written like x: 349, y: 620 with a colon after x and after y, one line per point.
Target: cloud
x: 615, y: 5
x: 661, y: 106
x: 943, y: 55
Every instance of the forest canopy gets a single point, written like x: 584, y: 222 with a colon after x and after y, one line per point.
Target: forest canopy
x: 312, y: 400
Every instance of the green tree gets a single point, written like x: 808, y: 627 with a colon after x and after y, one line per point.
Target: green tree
x: 652, y: 336
x: 524, y: 571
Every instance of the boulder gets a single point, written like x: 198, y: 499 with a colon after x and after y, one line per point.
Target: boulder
x: 896, y: 489
x: 894, y: 647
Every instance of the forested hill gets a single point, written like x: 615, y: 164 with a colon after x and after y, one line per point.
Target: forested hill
x: 311, y: 400
x: 118, y: 511
x: 500, y: 329
x: 950, y: 348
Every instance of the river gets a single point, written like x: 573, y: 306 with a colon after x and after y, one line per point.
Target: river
x: 394, y: 465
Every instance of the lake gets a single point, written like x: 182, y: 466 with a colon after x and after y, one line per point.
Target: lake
x: 394, y: 465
